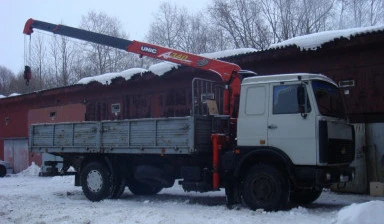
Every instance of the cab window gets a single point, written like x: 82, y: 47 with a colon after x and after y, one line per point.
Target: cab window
x: 285, y: 100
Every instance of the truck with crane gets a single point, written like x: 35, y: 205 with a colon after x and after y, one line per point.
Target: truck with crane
x: 278, y: 139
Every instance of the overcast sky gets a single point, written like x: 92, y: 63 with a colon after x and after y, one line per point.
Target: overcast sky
x: 135, y: 15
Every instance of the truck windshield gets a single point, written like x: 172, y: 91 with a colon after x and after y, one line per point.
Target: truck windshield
x: 328, y: 99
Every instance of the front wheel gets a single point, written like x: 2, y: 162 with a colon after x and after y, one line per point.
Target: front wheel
x: 264, y: 187
x: 96, y: 181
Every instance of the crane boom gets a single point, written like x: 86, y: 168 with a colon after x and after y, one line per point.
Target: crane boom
x: 228, y: 72
x: 224, y: 69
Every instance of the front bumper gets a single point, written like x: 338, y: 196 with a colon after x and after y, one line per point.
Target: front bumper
x: 318, y: 177
x: 337, y: 175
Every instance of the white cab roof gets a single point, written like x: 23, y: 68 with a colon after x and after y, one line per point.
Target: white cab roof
x: 285, y: 78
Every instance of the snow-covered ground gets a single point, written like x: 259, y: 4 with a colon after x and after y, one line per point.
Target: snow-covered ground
x: 27, y: 198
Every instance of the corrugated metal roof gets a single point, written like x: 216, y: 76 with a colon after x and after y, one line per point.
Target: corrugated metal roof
x: 108, y: 77
x: 316, y: 40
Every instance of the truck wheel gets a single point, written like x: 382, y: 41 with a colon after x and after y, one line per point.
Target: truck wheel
x: 96, y: 181
x: 118, y: 187
x: 264, y: 187
x: 3, y: 171
x: 139, y: 188
x: 304, y: 196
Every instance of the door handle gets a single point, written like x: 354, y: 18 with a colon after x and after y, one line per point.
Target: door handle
x: 272, y: 126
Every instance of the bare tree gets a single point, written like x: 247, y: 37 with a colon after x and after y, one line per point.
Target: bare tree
x: 6, y: 77
x: 17, y: 84
x: 315, y: 16
x: 357, y: 13
x: 290, y: 18
x: 103, y: 59
x: 198, y: 36
x: 168, y: 26
x: 241, y: 19
x: 175, y: 27
x: 63, y: 54
x: 39, y: 61
x: 218, y: 39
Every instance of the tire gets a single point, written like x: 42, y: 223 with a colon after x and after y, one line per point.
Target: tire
x: 96, y: 181
x: 139, y: 188
x: 118, y: 187
x: 264, y: 187
x: 304, y: 196
x: 3, y: 171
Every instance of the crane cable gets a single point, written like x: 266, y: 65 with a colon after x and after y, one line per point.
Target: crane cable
x: 27, y: 60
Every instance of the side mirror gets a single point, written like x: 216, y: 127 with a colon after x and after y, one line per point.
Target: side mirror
x: 301, y: 98
x: 301, y: 95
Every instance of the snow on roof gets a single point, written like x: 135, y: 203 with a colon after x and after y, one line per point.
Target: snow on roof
x: 229, y: 53
x: 2, y: 96
x: 164, y: 67
x: 14, y: 94
x: 161, y: 68
x: 107, y: 78
x: 315, y: 40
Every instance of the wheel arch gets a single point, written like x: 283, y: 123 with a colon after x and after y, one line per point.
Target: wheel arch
x: 265, y: 155
x: 93, y: 158
x: 105, y: 160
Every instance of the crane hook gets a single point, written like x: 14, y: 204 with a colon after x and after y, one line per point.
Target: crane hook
x: 27, y: 74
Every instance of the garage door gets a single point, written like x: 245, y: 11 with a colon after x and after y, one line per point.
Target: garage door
x: 16, y: 153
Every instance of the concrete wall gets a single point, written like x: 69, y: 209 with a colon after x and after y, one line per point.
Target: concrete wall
x: 375, y: 146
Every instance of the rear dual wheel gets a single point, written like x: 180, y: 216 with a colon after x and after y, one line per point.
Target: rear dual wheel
x: 96, y: 181
x: 139, y: 188
x: 118, y: 187
x: 99, y: 183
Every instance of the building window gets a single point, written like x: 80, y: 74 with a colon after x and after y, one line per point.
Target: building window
x: 115, y: 108
x: 346, y: 83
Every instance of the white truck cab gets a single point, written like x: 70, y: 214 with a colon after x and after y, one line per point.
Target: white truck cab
x: 300, y: 116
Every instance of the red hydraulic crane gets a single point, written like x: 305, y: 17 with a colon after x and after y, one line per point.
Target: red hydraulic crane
x: 229, y: 72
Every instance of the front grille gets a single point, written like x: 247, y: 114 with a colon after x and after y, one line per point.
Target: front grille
x: 340, y: 151
x: 334, y: 150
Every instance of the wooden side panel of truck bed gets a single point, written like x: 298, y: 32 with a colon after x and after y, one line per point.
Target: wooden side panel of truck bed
x: 178, y: 135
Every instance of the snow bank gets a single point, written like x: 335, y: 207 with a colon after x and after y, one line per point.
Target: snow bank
x: 365, y: 213
x: 315, y: 40
x: 33, y: 199
x: 32, y: 170
x: 107, y: 78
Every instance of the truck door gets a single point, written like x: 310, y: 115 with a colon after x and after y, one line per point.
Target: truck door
x: 253, y: 115
x: 290, y: 130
